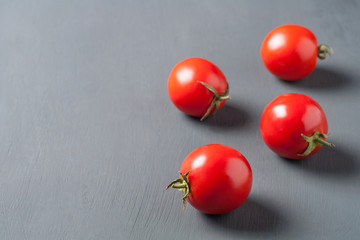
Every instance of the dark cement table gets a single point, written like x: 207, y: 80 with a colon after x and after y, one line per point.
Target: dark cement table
x: 89, y: 137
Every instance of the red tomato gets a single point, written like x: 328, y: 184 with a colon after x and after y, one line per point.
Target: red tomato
x: 215, y: 179
x: 197, y: 87
x: 290, y: 52
x: 294, y: 126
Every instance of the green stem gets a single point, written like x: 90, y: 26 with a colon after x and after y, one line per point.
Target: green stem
x: 316, y: 139
x: 180, y: 186
x: 324, y: 50
x: 183, y: 185
x: 216, y: 99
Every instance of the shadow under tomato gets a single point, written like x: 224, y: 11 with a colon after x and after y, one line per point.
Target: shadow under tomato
x: 229, y: 116
x: 334, y: 162
x: 251, y: 216
x: 322, y: 78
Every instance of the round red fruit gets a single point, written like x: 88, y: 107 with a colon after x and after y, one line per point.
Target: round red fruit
x: 294, y: 126
x: 290, y: 52
x: 197, y: 87
x: 214, y: 179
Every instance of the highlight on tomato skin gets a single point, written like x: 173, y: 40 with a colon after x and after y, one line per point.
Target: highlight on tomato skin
x: 198, y: 87
x: 214, y: 179
x: 290, y: 52
x: 294, y: 126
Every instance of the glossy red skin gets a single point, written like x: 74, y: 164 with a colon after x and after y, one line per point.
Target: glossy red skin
x: 290, y: 52
x: 187, y: 94
x: 220, y: 178
x: 286, y: 118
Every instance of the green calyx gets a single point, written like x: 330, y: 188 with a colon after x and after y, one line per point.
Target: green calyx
x: 216, y: 99
x: 317, y: 138
x: 324, y: 50
x: 183, y: 185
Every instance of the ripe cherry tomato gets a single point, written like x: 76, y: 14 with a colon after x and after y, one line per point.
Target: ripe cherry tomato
x: 290, y: 52
x: 294, y: 126
x: 197, y: 87
x: 215, y: 179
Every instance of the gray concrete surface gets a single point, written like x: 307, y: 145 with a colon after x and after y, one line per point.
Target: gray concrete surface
x: 89, y: 137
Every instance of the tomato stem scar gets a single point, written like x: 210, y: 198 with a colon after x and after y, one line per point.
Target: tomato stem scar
x: 324, y: 50
x: 183, y: 185
x: 216, y: 99
x: 317, y: 138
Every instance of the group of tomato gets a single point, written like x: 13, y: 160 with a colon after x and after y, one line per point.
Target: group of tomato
x: 215, y: 178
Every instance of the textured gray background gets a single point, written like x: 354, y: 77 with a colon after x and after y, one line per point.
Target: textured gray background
x: 89, y: 137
